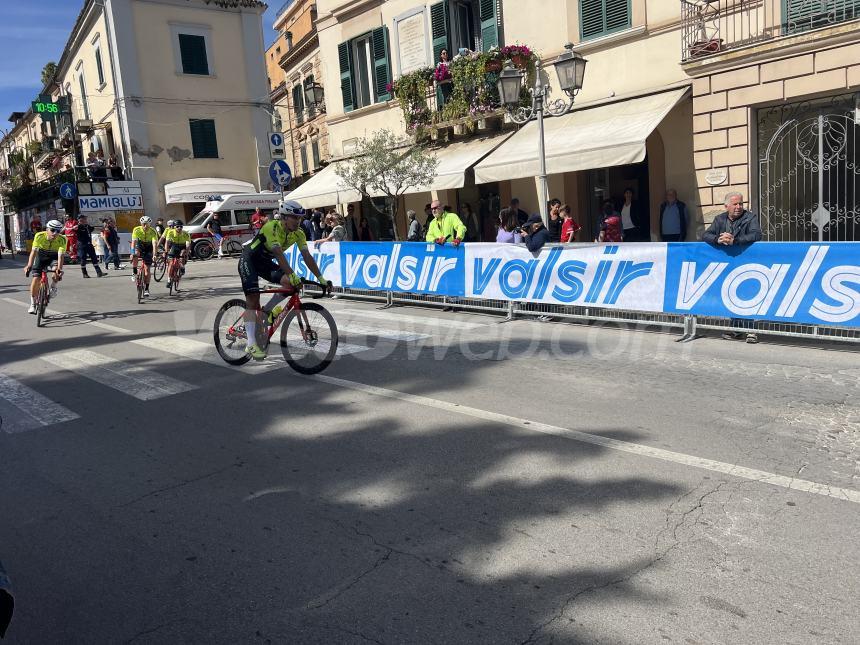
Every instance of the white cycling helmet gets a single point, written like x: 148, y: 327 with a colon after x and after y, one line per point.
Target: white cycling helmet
x: 146, y: 219
x: 289, y: 207
x: 55, y: 226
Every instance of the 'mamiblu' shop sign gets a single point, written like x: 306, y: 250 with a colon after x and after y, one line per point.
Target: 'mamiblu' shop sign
x: 93, y: 203
x: 789, y: 282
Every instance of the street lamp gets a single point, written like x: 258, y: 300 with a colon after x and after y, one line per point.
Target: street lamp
x: 315, y: 96
x: 570, y: 68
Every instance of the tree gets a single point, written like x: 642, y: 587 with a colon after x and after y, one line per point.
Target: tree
x: 387, y: 165
x: 48, y: 73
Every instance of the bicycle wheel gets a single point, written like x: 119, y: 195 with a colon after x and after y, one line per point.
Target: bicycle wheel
x: 140, y: 286
x: 204, y: 249
x: 230, y: 339
x: 41, y: 305
x: 309, y: 349
x: 158, y: 267
x: 232, y: 247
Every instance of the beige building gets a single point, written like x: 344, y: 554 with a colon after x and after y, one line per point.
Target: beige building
x: 299, y: 98
x: 631, y: 127
x: 176, y: 90
x: 776, y: 111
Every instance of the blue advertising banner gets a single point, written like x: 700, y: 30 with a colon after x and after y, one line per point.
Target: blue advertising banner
x: 790, y: 282
x: 406, y: 266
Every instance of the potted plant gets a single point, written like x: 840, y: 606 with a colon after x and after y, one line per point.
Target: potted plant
x: 519, y: 55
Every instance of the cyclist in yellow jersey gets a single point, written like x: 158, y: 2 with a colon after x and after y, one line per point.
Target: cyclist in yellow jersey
x: 48, y: 246
x: 259, y: 259
x: 177, y: 244
x: 143, y: 240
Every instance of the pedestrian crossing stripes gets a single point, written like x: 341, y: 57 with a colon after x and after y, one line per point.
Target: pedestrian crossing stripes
x: 393, y: 318
x: 388, y: 334
x: 140, y: 383
x: 23, y: 408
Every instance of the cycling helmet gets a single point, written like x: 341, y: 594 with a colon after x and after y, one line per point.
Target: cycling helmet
x: 55, y: 226
x: 177, y: 224
x: 146, y: 219
x: 289, y: 207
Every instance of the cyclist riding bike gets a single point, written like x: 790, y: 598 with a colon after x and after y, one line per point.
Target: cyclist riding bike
x: 48, y: 246
x: 259, y: 258
x: 177, y: 244
x: 144, y: 238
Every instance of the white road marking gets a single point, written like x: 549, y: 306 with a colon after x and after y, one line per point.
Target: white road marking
x: 733, y: 470
x: 133, y: 380
x: 393, y: 318
x: 53, y: 312
x: 389, y: 334
x: 201, y: 351
x: 23, y: 408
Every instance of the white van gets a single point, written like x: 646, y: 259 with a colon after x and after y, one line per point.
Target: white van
x: 234, y: 213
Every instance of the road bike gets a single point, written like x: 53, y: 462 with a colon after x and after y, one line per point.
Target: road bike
x: 309, y: 336
x: 139, y: 283
x: 159, y: 264
x: 44, y: 295
x: 174, y: 274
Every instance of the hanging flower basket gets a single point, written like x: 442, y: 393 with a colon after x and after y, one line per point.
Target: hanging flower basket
x: 519, y: 61
x: 493, y: 65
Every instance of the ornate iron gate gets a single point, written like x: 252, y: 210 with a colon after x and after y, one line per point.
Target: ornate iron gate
x: 809, y: 178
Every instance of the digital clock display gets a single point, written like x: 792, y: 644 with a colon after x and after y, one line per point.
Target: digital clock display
x: 40, y: 107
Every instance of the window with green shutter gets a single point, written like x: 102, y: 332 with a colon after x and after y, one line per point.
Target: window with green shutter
x: 204, y: 143
x: 344, y: 55
x: 315, y: 153
x: 192, y: 51
x: 381, y: 64
x: 802, y: 15
x: 99, y: 66
x: 602, y: 17
x: 303, y: 151
x: 489, y: 14
x: 299, y: 103
x: 439, y: 29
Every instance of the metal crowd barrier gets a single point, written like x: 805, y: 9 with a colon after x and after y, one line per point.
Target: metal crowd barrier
x: 688, y: 326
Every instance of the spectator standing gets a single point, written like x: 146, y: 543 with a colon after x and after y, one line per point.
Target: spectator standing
x: 473, y: 231
x: 316, y: 222
x: 428, y: 217
x: 554, y: 220
x: 509, y: 230
x: 631, y: 219
x: 111, y: 239
x: 673, y: 218
x: 159, y: 227
x: 114, y: 169
x: 610, y: 226
x: 569, y: 227
x: 364, y: 232
x: 85, y: 246
x: 257, y: 220
x: 733, y: 227
x: 535, y: 234
x: 70, y: 230
x: 522, y: 216
x: 445, y: 226
x: 214, y: 228
x: 92, y: 165
x: 414, y: 232
x: 337, y: 229
x: 308, y: 228
x: 101, y: 166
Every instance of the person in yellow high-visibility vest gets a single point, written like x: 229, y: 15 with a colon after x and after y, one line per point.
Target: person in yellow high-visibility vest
x: 445, y: 226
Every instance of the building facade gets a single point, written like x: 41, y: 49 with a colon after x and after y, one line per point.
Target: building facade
x: 632, y: 47
x: 301, y: 103
x: 174, y: 89
x: 776, y: 88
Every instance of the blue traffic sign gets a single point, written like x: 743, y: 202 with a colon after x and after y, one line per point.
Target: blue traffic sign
x: 280, y: 173
x: 68, y: 190
x: 276, y: 139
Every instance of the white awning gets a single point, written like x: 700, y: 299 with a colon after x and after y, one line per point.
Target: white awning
x: 598, y: 137
x: 203, y: 189
x: 324, y: 189
x: 456, y: 159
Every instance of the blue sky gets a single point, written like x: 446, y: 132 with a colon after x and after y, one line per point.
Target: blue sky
x: 34, y: 33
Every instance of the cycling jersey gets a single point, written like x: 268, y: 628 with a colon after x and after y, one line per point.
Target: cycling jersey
x: 176, y: 237
x: 273, y: 234
x: 43, y: 243
x: 144, y: 236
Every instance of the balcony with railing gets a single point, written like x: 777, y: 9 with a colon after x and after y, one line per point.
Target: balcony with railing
x: 711, y: 27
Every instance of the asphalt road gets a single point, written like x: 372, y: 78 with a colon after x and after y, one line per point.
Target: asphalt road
x: 450, y: 479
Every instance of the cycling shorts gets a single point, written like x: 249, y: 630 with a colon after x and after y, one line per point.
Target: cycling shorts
x: 43, y: 261
x: 175, y: 250
x: 145, y: 250
x: 253, y: 266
